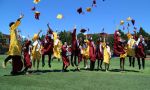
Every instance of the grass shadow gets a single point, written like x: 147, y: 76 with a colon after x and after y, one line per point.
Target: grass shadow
x: 118, y: 70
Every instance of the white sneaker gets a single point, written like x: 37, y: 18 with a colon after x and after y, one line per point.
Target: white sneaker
x: 3, y: 65
x: 85, y: 67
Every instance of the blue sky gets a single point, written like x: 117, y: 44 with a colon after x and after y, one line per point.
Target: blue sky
x: 107, y: 14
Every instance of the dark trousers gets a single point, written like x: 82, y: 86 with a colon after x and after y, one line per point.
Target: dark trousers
x: 99, y: 62
x: 92, y: 65
x: 8, y: 58
x: 49, y: 60
x: 131, y: 61
x: 74, y: 59
x: 17, y: 64
x: 139, y: 63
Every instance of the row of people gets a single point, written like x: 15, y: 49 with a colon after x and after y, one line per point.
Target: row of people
x: 82, y: 49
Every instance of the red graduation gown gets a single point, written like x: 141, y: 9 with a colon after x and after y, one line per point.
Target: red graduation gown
x: 27, y: 61
x: 47, y: 46
x: 140, y: 51
x: 64, y: 56
x: 99, y: 54
x: 74, y: 41
x: 92, y: 51
x: 118, y: 47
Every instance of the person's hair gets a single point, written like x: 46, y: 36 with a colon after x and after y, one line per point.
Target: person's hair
x: 10, y: 24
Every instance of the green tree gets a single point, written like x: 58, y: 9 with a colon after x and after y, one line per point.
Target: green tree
x: 143, y: 33
x: 146, y: 36
x: 123, y: 35
x: 65, y: 36
x: 95, y: 37
x: 80, y: 35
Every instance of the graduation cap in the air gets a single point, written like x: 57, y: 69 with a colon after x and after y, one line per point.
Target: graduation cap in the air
x: 79, y: 10
x: 36, y: 1
x: 59, y: 16
x: 83, y: 30
x: 129, y: 19
x: 37, y: 15
x: 33, y: 9
x: 94, y: 3
x: 124, y: 28
x: 128, y: 25
x: 88, y: 9
x: 121, y: 22
x: 135, y: 28
x: 133, y: 21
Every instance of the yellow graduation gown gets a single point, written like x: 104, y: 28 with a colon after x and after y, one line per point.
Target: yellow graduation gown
x: 15, y: 46
x: 106, y: 53
x: 130, y: 49
x: 36, y: 52
x: 57, y: 49
x: 85, y: 51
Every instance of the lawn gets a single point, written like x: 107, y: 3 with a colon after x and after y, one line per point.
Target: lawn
x: 53, y: 79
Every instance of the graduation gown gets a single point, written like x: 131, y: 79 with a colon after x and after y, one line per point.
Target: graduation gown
x: 15, y: 48
x: 57, y: 46
x: 36, y: 51
x: 47, y: 46
x: 131, y: 49
x: 64, y: 56
x: 107, y: 54
x: 140, y: 50
x: 92, y: 51
x: 118, y: 47
x: 85, y: 50
x: 74, y: 42
x: 99, y: 51
x: 26, y: 53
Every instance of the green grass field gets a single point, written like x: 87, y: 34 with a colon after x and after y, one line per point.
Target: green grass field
x: 52, y: 79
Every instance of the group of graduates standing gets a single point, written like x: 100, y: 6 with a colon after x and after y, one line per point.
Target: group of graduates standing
x: 82, y: 49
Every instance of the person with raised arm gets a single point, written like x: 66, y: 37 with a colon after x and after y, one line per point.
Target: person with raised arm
x: 65, y: 59
x: 14, y: 48
x: 36, y: 50
x: 47, y: 45
x: 140, y: 54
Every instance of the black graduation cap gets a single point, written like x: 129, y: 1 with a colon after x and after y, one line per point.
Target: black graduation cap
x: 37, y: 15
x: 103, y: 0
x: 128, y: 25
x: 133, y: 21
x: 79, y: 10
x: 33, y: 9
x: 83, y: 30
x: 124, y: 28
x: 94, y: 3
x: 135, y: 28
